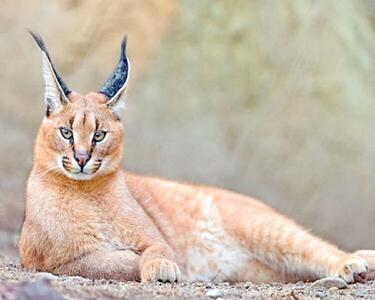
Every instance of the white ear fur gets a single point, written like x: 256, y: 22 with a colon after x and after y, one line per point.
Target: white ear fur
x: 56, y: 91
x: 54, y: 96
x: 117, y: 102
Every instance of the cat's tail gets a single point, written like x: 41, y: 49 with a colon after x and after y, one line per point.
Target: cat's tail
x: 369, y: 255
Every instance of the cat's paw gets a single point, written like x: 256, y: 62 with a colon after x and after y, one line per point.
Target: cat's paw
x: 353, y: 269
x: 368, y: 255
x: 162, y: 270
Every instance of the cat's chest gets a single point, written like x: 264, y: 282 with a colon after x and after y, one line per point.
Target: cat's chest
x: 73, y: 215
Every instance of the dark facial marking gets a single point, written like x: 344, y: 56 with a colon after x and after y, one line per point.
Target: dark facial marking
x: 97, y: 165
x: 66, y: 163
x: 84, y: 118
x: 71, y: 120
x: 48, y: 111
x: 96, y: 124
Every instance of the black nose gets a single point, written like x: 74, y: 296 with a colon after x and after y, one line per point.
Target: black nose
x: 82, y: 158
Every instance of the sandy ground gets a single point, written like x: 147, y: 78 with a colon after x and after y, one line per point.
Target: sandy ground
x: 17, y: 283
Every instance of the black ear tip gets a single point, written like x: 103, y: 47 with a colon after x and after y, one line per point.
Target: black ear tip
x: 124, y: 43
x: 38, y: 39
x: 119, y: 76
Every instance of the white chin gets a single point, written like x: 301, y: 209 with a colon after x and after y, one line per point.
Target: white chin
x: 79, y: 176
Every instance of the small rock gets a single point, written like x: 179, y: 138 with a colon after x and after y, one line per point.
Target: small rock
x: 360, y: 293
x: 45, y: 276
x: 321, y: 294
x: 330, y: 282
x: 38, y: 290
x: 215, y: 293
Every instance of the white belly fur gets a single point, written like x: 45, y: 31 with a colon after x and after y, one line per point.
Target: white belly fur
x: 215, y: 256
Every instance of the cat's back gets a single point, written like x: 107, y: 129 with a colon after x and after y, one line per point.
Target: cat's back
x: 178, y: 208
x: 174, y: 195
x: 194, y: 220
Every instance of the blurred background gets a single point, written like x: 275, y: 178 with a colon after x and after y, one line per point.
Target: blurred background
x: 273, y: 99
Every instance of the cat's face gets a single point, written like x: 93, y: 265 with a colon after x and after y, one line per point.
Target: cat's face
x: 81, y: 136
x: 82, y: 140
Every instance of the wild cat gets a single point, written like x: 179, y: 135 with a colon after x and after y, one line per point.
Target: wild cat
x: 86, y: 216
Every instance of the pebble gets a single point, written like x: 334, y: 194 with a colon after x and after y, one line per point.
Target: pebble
x: 359, y: 294
x: 321, y: 294
x: 45, y: 276
x: 39, y: 290
x: 215, y: 293
x: 330, y: 282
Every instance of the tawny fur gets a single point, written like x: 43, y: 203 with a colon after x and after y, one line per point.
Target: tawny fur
x: 85, y: 216
x: 128, y: 227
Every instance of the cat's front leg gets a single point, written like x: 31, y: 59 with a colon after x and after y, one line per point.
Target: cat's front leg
x: 120, y: 265
x: 157, y: 264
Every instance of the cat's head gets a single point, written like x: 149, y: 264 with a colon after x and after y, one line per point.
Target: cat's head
x: 81, y: 136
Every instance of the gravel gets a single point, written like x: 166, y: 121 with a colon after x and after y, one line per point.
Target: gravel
x: 17, y: 283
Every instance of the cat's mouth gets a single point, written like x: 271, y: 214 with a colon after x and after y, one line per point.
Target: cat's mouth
x: 78, y: 173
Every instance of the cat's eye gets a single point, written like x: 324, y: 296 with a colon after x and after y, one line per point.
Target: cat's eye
x: 66, y: 133
x: 99, y: 136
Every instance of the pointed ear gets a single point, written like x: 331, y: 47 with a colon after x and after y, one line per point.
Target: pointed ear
x: 56, y: 91
x: 115, y: 87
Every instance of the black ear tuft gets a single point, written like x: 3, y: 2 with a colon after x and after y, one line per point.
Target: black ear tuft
x: 119, y: 76
x: 39, y: 41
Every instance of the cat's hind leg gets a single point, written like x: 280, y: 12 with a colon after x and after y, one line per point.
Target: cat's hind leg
x: 284, y: 246
x: 369, y: 255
